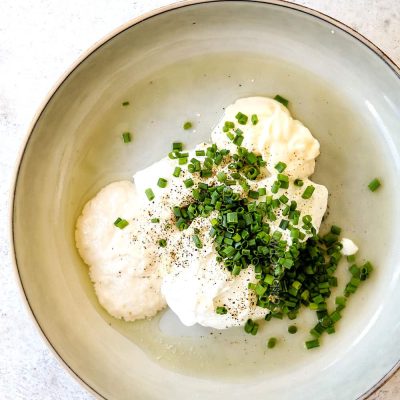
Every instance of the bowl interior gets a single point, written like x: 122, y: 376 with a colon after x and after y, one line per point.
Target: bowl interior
x: 188, y: 64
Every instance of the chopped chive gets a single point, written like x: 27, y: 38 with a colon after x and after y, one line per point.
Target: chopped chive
x: 221, y: 310
x: 162, y: 243
x: 228, y: 126
x: 125, y: 103
x: 374, y: 184
x: 298, y: 182
x: 188, y: 183
x: 292, y: 329
x: 254, y: 119
x: 177, y: 146
x: 312, y: 344
x: 335, y: 230
x: 281, y: 100
x: 177, y: 172
x: 200, y: 153
x: 232, y: 218
x: 183, y: 160
x: 162, y: 183
x: 150, y: 194
x: 187, y: 125
x: 308, y: 192
x: 197, y: 241
x: 253, y: 194
x: 351, y: 258
x: 121, y: 223
x: 280, y: 167
x: 241, y: 118
x: 262, y: 191
x: 271, y: 342
x: 155, y: 220
x: 126, y: 137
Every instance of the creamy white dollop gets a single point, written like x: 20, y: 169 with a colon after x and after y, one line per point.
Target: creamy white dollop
x: 349, y: 247
x: 124, y: 272
x: 276, y: 136
x: 134, y: 277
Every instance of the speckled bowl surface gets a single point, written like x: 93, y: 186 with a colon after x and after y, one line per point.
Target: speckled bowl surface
x: 187, y: 62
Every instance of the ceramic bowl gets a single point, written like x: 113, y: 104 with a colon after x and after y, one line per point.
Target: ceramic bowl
x: 187, y: 62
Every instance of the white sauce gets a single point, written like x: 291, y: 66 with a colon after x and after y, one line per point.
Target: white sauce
x: 349, y: 247
x: 134, y: 278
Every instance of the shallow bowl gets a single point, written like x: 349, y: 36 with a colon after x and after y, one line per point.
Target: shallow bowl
x: 187, y: 62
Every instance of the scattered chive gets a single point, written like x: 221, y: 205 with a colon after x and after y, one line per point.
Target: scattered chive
x: 162, y: 243
x: 177, y: 146
x: 280, y: 167
x: 162, y: 183
x: 150, y: 194
x: 281, y: 100
x: 188, y: 183
x: 308, y: 192
x: 292, y: 329
x: 197, y: 241
x: 126, y: 137
x: 374, y: 184
x: 121, y: 223
x: 155, y: 220
x: 241, y: 118
x: 125, y: 103
x: 187, y: 125
x: 311, y: 344
x: 254, y: 119
x: 298, y: 182
x: 221, y: 310
x: 177, y: 172
x: 271, y: 342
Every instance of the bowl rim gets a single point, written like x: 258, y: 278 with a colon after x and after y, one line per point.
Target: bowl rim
x: 86, y: 54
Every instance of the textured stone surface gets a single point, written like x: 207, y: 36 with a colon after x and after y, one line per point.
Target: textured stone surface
x: 38, y: 42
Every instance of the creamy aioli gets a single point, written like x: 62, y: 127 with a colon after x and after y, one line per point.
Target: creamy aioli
x: 134, y: 277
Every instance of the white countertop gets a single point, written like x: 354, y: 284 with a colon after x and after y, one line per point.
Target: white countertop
x: 39, y: 40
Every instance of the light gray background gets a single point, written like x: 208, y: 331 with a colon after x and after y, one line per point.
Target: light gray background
x: 39, y: 40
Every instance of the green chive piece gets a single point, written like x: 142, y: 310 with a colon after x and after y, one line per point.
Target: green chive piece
x: 336, y: 230
x: 298, y: 182
x: 182, y: 160
x: 177, y: 146
x: 200, y: 153
x: 311, y: 344
x: 308, y: 192
x: 150, y: 194
x: 351, y: 258
x: 125, y: 103
x: 197, y: 241
x: 187, y: 125
x: 177, y: 172
x: 155, y: 220
x: 221, y: 310
x: 188, y: 183
x: 281, y: 100
x: 162, y: 183
x: 232, y: 218
x: 292, y: 329
x: 254, y: 119
x: 121, y: 223
x: 126, y: 137
x: 271, y: 342
x: 374, y: 184
x: 280, y: 167
x: 241, y: 118
x: 162, y: 243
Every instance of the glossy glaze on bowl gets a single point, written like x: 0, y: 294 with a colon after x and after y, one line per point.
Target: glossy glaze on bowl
x: 188, y: 63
